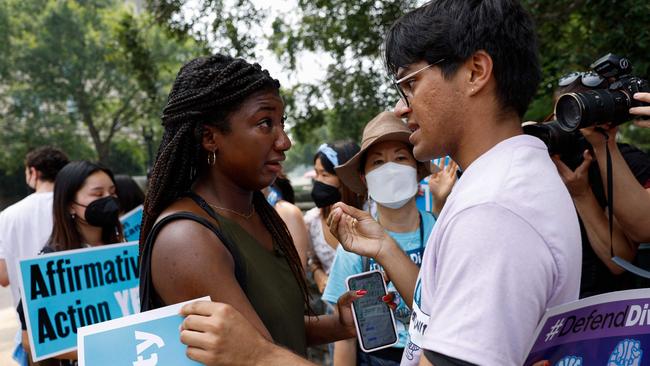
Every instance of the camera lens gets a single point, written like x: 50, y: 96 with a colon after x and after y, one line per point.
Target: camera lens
x: 569, y: 111
x: 593, y: 107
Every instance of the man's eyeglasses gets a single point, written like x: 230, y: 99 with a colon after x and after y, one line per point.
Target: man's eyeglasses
x: 589, y: 79
x: 404, y: 85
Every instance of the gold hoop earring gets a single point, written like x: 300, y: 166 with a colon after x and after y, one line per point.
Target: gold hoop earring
x: 212, y: 157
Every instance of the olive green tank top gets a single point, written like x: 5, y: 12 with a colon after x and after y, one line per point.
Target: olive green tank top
x: 264, y: 276
x: 271, y: 287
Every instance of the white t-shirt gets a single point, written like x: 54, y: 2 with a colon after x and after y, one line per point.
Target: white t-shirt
x: 24, y: 229
x: 323, y: 251
x: 505, y: 247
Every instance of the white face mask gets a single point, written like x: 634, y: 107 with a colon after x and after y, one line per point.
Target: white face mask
x: 392, y: 184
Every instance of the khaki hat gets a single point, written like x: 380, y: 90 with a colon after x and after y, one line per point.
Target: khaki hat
x: 384, y: 127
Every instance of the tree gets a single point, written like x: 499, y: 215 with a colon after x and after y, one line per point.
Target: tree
x: 572, y: 34
x: 92, y: 62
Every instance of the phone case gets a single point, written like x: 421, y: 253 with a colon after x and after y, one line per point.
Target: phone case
x: 354, y: 313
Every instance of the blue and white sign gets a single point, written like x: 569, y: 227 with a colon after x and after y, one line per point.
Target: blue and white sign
x: 146, y: 339
x: 131, y: 224
x: 65, y: 291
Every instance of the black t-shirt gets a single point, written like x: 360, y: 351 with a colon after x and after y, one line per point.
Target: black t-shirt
x: 596, y: 277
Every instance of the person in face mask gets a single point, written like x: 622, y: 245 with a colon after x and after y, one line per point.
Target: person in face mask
x: 327, y: 190
x: 387, y: 172
x: 85, y: 214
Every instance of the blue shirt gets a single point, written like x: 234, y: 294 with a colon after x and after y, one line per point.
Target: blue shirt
x: 347, y: 264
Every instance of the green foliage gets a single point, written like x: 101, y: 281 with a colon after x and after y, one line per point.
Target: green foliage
x: 356, y: 86
x: 85, y: 76
x: 573, y: 34
x: 93, y: 63
x: 227, y: 27
x: 127, y: 157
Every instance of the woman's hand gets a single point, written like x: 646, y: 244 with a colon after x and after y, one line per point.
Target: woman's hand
x: 217, y: 334
x: 441, y: 183
x: 595, y: 135
x: 357, y: 231
x: 344, y: 309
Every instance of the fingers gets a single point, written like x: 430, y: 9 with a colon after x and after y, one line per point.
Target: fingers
x: 584, y: 166
x: 205, y: 308
x: 197, y: 323
x: 196, y: 339
x: 333, y: 219
x: 561, y: 167
x: 389, y: 300
x: 643, y: 124
x: 199, y: 355
x: 352, y: 211
x: 348, y: 297
x: 643, y: 97
x: 441, y: 164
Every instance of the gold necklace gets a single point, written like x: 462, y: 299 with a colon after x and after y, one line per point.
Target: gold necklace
x: 246, y: 216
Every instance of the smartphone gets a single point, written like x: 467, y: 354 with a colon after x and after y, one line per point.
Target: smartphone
x: 373, y: 318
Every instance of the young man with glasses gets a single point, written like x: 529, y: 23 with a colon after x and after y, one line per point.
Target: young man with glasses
x: 507, y: 244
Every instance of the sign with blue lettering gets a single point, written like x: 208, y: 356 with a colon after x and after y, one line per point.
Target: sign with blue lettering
x: 131, y: 224
x: 610, y: 329
x: 146, y: 339
x: 65, y: 291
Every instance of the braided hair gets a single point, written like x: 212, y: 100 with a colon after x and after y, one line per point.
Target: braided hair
x: 205, y: 92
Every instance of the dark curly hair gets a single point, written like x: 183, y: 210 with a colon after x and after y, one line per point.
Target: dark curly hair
x: 205, y: 92
x: 47, y: 160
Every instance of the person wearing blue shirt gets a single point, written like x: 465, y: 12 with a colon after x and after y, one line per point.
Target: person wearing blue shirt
x: 386, y: 170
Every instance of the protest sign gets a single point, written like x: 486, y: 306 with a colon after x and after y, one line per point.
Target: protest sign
x: 146, y: 339
x: 611, y: 329
x: 131, y: 224
x: 64, y: 291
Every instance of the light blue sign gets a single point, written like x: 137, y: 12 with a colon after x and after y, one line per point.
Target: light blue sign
x: 65, y: 291
x: 131, y: 224
x: 146, y: 339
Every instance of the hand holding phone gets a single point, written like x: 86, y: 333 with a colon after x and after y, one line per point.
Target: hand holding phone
x: 373, y: 318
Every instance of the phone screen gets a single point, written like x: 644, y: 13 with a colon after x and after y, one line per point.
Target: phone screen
x: 374, y: 320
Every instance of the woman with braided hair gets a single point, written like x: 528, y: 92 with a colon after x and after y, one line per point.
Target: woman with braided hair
x: 207, y: 229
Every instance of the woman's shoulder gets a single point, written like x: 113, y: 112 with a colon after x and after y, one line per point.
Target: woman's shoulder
x: 288, y: 209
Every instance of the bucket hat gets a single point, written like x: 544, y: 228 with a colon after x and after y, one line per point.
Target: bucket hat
x: 384, y: 127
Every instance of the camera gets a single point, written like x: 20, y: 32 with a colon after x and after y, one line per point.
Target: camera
x: 568, y: 144
x: 593, y: 107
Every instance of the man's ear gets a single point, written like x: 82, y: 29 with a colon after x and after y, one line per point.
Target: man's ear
x: 210, y: 138
x: 479, y: 72
x: 34, y: 173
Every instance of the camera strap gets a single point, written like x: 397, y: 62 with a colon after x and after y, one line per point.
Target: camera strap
x: 626, y: 265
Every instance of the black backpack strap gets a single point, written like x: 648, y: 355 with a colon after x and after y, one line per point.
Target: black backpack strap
x: 148, y: 296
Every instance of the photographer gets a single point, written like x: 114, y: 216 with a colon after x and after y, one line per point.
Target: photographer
x: 583, y: 180
x: 632, y: 207
x: 620, y: 98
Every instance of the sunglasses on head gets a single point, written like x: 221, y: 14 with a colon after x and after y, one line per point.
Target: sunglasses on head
x: 589, y: 79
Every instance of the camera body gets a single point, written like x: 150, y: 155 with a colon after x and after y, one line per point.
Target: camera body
x: 568, y: 145
x: 598, y: 106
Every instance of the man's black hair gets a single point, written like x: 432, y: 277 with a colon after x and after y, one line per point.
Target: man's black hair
x: 47, y: 160
x: 456, y: 29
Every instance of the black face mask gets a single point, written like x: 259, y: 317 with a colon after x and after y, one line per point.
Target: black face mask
x: 324, y: 194
x: 103, y: 212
